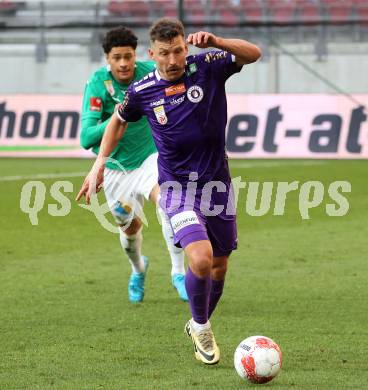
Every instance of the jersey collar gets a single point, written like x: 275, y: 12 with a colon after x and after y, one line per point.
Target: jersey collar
x: 158, y: 77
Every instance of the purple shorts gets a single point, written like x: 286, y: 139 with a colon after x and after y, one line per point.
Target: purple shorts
x: 207, y: 213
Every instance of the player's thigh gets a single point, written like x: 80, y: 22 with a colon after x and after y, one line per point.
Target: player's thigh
x: 222, y: 232
x: 155, y: 193
x: 147, y: 178
x: 121, y: 196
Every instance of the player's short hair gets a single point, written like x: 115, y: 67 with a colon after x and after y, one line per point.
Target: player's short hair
x: 118, y: 37
x: 166, y: 29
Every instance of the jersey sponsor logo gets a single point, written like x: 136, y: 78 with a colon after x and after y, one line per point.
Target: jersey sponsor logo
x: 160, y: 115
x: 179, y: 100
x: 145, y: 85
x: 109, y: 87
x: 183, y: 219
x: 157, y: 103
x: 195, y: 94
x: 219, y: 55
x: 95, y: 104
x: 175, y: 89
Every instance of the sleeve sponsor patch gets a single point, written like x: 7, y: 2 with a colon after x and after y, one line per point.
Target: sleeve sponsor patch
x: 95, y: 104
x: 129, y: 110
x: 214, y: 56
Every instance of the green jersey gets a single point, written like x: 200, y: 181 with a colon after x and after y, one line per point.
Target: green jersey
x: 101, y: 94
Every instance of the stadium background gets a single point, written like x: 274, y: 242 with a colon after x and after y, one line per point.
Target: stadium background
x: 65, y: 321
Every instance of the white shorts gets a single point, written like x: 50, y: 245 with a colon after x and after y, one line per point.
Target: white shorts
x: 125, y: 190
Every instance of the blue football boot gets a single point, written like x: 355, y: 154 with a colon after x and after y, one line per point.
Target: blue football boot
x: 178, y: 281
x: 136, y: 284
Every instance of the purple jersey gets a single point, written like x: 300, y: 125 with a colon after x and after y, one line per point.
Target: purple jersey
x: 188, y: 116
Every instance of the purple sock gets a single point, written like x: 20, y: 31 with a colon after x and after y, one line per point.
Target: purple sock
x: 198, y: 290
x: 217, y: 287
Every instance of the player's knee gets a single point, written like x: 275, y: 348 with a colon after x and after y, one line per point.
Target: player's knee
x: 201, y: 261
x: 133, y: 228
x: 219, y: 268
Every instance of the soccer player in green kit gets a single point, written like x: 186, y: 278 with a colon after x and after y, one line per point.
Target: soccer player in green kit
x: 134, y: 174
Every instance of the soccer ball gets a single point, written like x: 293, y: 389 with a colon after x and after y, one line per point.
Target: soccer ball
x: 258, y: 359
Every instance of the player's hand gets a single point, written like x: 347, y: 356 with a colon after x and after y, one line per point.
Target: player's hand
x: 202, y: 39
x: 92, y: 183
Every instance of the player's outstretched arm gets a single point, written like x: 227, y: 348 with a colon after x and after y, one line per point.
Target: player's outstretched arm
x: 93, y: 181
x: 244, y: 51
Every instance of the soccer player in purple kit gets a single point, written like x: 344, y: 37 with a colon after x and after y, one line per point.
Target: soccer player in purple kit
x: 185, y: 103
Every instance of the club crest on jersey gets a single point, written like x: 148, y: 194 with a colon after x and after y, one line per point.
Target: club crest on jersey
x: 175, y: 89
x: 109, y: 87
x: 160, y: 115
x: 195, y: 94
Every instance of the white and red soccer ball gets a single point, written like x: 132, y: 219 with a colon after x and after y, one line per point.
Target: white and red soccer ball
x: 258, y: 359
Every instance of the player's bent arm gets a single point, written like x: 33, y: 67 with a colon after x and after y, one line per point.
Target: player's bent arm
x: 113, y: 133
x: 92, y: 114
x: 244, y: 51
x: 92, y: 132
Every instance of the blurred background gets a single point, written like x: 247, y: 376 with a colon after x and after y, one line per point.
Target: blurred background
x: 48, y: 49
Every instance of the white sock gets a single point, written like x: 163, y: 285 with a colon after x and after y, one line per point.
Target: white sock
x: 132, y: 247
x: 176, y: 254
x: 198, y: 327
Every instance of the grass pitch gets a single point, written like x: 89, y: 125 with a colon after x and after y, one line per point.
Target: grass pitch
x: 66, y: 322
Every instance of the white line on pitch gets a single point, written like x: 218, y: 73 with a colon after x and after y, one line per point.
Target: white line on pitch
x: 234, y: 163
x: 42, y: 176
x: 252, y: 164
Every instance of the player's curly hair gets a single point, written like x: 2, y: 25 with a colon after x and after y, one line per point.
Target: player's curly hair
x: 166, y: 29
x: 117, y: 37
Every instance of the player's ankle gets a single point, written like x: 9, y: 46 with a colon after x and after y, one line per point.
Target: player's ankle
x: 199, y: 327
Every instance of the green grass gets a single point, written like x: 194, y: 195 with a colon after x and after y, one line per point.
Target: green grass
x: 65, y: 321
x: 18, y: 148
